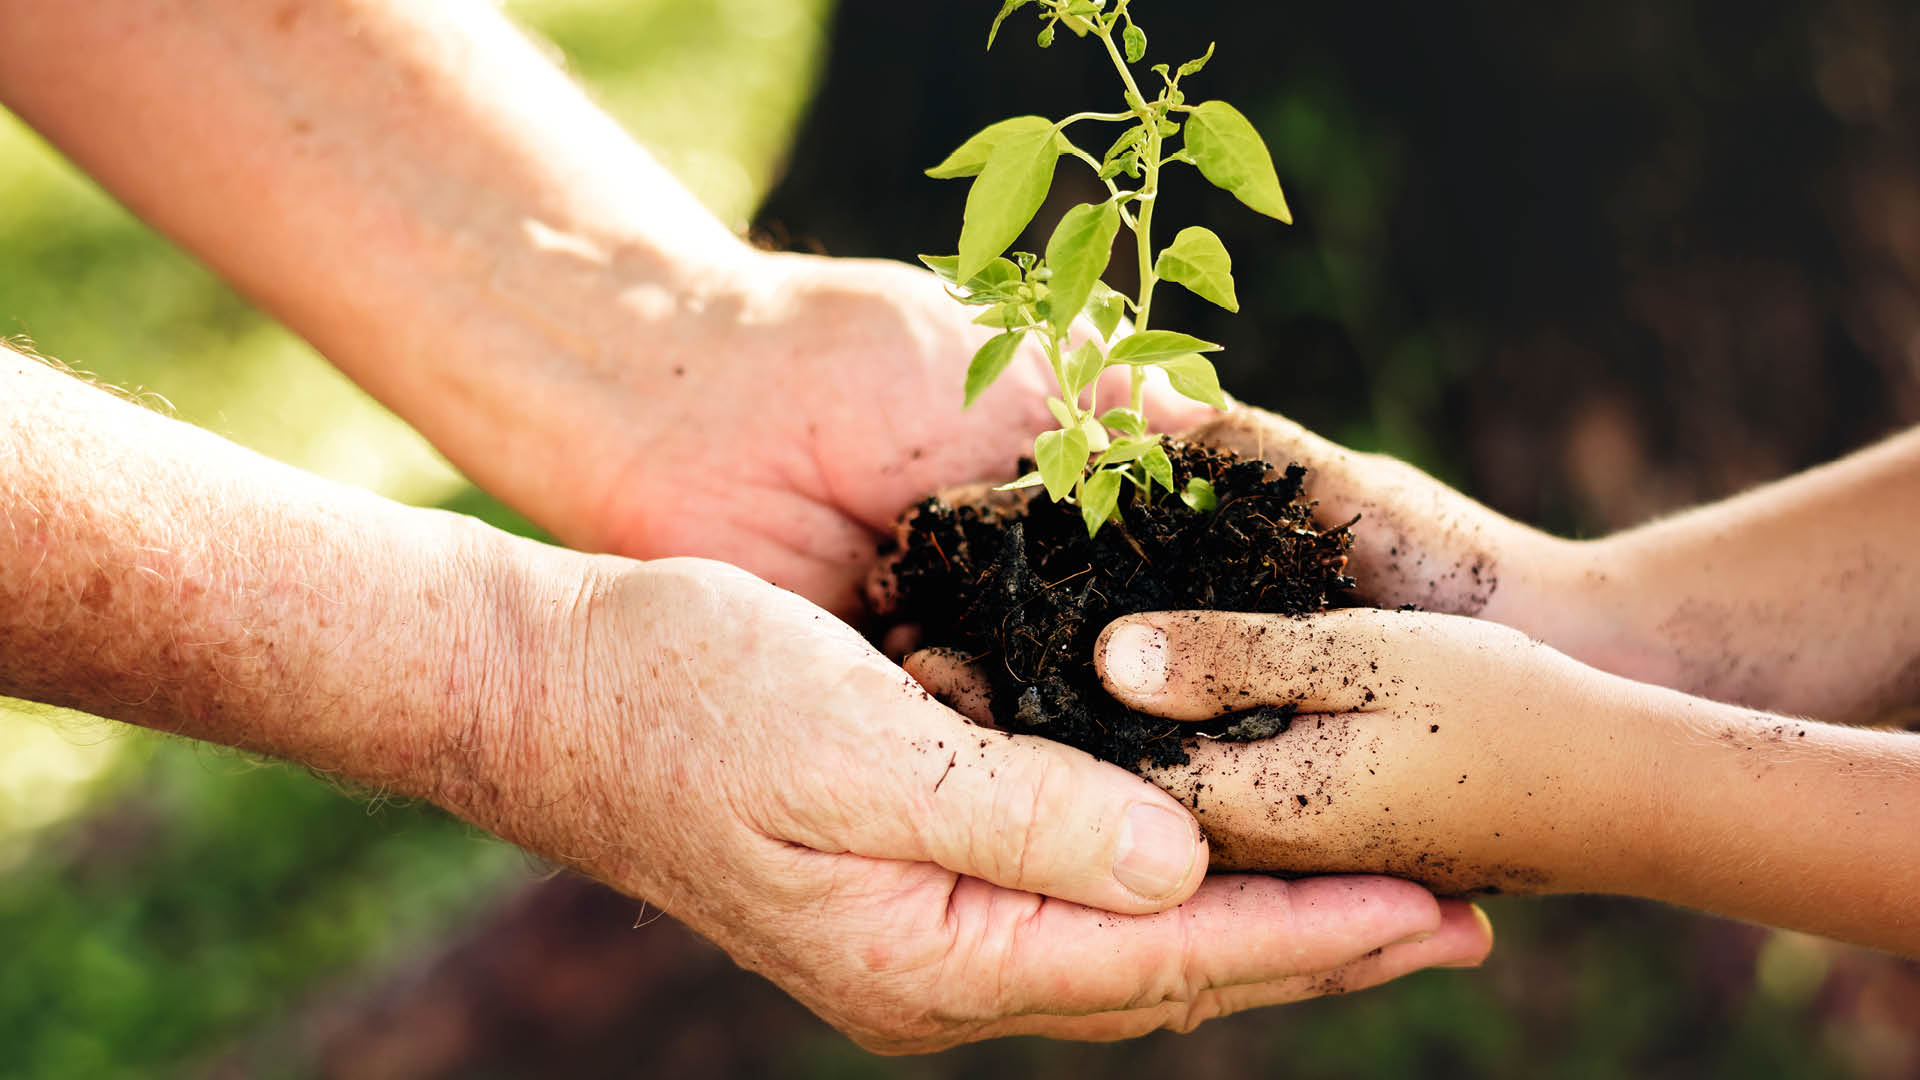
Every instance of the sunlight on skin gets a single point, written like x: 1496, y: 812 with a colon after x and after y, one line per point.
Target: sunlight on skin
x: 714, y: 89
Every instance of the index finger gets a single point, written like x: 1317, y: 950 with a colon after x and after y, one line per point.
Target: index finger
x: 1237, y: 930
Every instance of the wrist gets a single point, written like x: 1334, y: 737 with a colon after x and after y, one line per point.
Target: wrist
x: 1586, y: 796
x: 495, y: 606
x: 1588, y: 599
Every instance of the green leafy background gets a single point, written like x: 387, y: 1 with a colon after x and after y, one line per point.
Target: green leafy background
x: 1515, y: 272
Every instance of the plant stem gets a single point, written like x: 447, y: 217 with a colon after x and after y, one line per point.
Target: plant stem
x: 1056, y: 360
x: 1149, y: 191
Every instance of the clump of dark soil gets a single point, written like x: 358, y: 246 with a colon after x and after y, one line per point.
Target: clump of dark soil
x: 1024, y: 593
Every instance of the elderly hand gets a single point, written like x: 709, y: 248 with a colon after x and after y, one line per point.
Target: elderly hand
x: 732, y: 753
x: 783, y: 426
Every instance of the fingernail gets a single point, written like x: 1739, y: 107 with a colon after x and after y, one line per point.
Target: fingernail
x: 1136, y: 658
x: 1486, y: 924
x: 1156, y: 851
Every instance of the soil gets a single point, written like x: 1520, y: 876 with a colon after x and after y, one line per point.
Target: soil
x: 1022, y: 591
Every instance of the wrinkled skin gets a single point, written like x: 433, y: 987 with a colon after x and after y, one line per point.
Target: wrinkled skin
x: 907, y: 908
x: 822, y: 398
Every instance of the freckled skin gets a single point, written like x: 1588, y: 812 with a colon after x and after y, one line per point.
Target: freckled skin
x: 678, y: 729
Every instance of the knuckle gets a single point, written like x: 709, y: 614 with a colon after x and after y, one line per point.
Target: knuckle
x: 1187, y: 1016
x: 1015, y: 819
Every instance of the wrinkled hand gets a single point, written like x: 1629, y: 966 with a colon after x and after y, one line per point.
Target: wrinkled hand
x: 748, y: 763
x: 781, y: 429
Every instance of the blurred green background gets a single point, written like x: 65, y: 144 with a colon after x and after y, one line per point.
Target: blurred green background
x: 1591, y: 263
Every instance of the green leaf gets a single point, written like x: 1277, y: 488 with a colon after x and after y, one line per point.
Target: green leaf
x: 988, y: 363
x: 1135, y: 41
x: 1078, y: 254
x: 1097, y: 441
x: 1084, y: 366
x: 1128, y: 139
x: 1193, y: 376
x: 972, y: 155
x: 1125, y: 420
x: 945, y: 267
x: 1153, y: 346
x: 1006, y: 9
x: 1199, y: 495
x: 1046, y: 42
x: 1198, y: 260
x: 998, y: 278
x: 1098, y: 497
x: 1159, y: 467
x: 1231, y: 154
x: 1005, y: 196
x: 1007, y: 316
x: 1061, y: 455
x: 1124, y: 450
x: 1077, y: 23
x: 1106, y: 308
x: 1060, y: 414
x: 1192, y: 67
x: 999, y: 281
x: 1032, y: 479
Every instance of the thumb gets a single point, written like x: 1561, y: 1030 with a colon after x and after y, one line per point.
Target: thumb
x: 1018, y: 811
x: 1030, y: 814
x: 1197, y: 665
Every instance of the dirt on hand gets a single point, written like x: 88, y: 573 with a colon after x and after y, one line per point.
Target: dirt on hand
x: 1024, y: 593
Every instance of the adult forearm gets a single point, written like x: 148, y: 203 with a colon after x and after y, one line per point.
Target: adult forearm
x: 152, y: 573
x: 413, y: 187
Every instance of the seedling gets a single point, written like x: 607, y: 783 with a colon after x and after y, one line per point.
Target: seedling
x: 1092, y: 454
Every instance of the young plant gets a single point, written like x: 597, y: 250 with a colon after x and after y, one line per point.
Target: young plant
x: 1093, y: 454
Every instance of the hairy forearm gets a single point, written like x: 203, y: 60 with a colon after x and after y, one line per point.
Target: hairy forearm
x: 1800, y: 597
x: 155, y: 574
x: 413, y: 187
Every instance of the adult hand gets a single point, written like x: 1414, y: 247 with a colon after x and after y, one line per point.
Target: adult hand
x: 423, y: 195
x: 739, y: 757
x: 784, y: 426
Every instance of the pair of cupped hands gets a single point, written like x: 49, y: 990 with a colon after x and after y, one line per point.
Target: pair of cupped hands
x: 762, y: 771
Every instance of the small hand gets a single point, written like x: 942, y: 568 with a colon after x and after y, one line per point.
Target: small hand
x: 917, y: 881
x: 1418, y: 542
x: 1445, y: 750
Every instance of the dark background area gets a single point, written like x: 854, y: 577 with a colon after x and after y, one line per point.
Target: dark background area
x: 1589, y: 261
